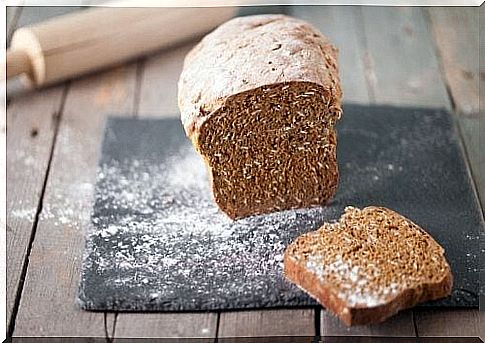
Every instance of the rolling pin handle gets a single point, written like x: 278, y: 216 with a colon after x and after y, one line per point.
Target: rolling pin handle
x: 18, y: 62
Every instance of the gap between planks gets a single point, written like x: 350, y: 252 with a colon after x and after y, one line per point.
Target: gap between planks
x: 32, y: 126
x: 47, y: 305
x: 32, y: 122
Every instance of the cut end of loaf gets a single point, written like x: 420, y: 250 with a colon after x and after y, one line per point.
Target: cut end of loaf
x: 271, y: 148
x: 369, y: 265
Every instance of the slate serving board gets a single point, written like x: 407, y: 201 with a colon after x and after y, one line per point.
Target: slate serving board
x: 158, y: 243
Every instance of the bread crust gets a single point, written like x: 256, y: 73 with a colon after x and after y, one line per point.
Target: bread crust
x: 246, y: 53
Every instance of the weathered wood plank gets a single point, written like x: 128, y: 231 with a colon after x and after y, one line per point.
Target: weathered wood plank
x: 481, y: 323
x: 456, y: 32
x: 342, y: 25
x: 47, y: 306
x: 31, y: 122
x: 166, y: 325
x: 267, y: 323
x: 157, y: 97
x: 401, y: 61
x: 447, y: 322
x: 158, y: 91
x: 401, y: 325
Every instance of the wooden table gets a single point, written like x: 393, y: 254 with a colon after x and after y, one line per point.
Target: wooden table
x: 401, y: 56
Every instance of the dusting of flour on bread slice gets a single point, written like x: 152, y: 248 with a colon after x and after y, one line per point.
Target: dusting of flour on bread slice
x: 369, y: 265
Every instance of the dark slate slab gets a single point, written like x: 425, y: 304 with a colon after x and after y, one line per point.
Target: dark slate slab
x: 158, y: 243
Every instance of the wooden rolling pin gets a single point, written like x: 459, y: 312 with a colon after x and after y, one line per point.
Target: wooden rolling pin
x: 78, y: 43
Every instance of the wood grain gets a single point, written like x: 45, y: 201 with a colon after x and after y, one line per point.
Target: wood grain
x: 31, y: 122
x: 447, y: 322
x: 158, y: 91
x: 401, y: 63
x: 481, y: 322
x: 342, y: 25
x: 166, y: 325
x: 47, y: 306
x: 267, y: 323
x: 456, y: 32
x: 401, y: 325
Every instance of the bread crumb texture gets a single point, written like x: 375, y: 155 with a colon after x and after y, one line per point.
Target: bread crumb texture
x: 371, y: 259
x: 259, y: 98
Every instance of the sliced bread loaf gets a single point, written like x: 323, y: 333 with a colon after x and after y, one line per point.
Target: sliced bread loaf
x: 369, y: 265
x: 259, y: 97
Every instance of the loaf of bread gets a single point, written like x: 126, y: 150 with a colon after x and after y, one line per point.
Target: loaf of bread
x: 369, y: 265
x: 259, y: 98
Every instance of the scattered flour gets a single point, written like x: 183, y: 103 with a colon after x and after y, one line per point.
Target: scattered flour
x: 353, y: 282
x: 156, y: 230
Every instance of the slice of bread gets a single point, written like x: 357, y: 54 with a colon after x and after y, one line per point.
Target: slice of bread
x: 369, y: 265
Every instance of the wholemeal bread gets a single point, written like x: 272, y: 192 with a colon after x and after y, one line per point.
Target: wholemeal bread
x: 259, y: 98
x: 369, y: 265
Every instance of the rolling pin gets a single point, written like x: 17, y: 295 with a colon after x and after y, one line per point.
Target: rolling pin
x: 88, y: 40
